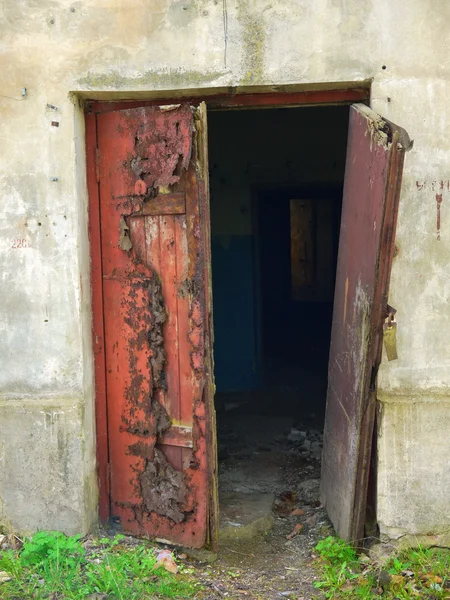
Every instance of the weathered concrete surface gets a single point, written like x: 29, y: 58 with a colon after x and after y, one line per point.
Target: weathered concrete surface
x: 44, y: 481
x: 414, y: 476
x: 245, y: 515
x: 113, y: 49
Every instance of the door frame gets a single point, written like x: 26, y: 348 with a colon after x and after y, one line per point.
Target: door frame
x: 220, y: 101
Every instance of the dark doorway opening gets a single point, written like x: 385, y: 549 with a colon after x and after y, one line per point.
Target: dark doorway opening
x: 276, y: 179
x: 297, y: 241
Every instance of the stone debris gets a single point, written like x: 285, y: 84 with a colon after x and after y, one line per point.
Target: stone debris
x: 284, y: 505
x: 296, y: 435
x: 306, y: 446
x: 309, y: 441
x: 10, y: 542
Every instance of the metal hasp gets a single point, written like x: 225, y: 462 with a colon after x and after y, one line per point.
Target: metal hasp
x: 154, y: 220
x: 375, y: 155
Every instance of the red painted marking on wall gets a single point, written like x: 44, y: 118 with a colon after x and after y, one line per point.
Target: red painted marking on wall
x: 20, y: 243
x: 434, y: 186
x: 438, y: 216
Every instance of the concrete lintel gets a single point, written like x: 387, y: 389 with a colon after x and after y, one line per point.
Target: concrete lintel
x: 180, y: 92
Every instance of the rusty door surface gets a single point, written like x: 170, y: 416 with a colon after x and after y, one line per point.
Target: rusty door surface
x: 374, y: 164
x: 154, y: 219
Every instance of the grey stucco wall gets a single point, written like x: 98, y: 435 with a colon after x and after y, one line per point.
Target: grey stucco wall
x: 62, y: 51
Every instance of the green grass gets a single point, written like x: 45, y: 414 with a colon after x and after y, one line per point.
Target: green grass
x: 52, y: 566
x: 416, y: 573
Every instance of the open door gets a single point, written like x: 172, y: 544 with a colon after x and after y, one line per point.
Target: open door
x: 375, y: 155
x: 154, y: 222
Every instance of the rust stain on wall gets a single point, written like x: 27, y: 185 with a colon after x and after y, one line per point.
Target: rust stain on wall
x: 438, y: 216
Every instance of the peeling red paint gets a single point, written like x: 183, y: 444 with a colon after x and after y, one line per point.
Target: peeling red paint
x: 154, y: 261
x: 162, y: 144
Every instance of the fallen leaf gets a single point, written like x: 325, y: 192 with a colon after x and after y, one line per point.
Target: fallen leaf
x: 384, y: 578
x: 4, y: 577
x: 284, y: 505
x: 297, y: 529
x: 347, y: 587
x: 288, y: 497
x: 297, y: 512
x: 182, y: 556
x: 166, y: 560
x: 431, y: 578
x: 397, y: 582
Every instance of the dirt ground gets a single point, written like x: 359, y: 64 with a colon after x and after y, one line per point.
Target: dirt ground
x: 270, y: 513
x: 271, y: 518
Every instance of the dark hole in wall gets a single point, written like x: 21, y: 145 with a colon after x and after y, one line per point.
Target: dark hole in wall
x: 295, y: 316
x: 276, y: 180
x: 272, y: 342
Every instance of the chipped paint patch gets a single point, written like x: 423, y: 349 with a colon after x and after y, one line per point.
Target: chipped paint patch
x: 162, y: 146
x: 163, y: 489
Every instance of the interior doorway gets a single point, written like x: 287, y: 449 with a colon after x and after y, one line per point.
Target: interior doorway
x: 276, y: 181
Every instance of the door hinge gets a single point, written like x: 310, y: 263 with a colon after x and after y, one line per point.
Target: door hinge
x: 97, y: 164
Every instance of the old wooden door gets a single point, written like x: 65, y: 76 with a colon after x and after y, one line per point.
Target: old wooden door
x: 374, y: 164
x: 154, y: 222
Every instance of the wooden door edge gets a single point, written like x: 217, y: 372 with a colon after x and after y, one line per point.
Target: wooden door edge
x: 400, y: 143
x: 101, y: 417
x: 209, y: 389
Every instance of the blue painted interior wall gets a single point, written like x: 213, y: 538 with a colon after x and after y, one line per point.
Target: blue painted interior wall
x: 251, y: 149
x: 236, y: 365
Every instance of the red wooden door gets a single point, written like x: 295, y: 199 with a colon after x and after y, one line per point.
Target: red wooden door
x: 374, y: 164
x: 154, y: 221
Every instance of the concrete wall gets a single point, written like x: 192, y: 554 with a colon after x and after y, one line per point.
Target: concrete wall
x: 122, y: 49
